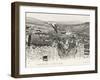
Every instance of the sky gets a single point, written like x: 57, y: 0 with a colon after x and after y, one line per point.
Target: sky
x: 59, y: 17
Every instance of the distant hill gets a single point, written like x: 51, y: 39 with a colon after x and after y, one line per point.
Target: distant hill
x: 44, y: 33
x: 30, y: 20
x: 74, y: 26
x: 38, y: 24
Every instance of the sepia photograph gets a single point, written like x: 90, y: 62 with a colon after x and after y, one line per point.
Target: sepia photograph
x: 53, y: 39
x: 57, y: 39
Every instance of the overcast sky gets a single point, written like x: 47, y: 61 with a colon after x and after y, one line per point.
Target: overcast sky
x: 59, y: 17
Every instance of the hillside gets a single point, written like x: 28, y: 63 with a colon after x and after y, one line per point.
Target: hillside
x: 43, y: 32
